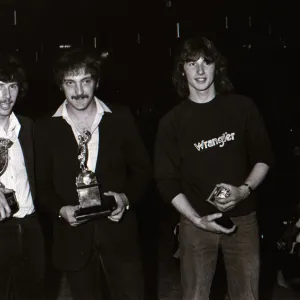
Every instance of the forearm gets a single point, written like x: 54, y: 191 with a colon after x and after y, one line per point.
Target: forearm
x: 257, y: 175
x: 182, y: 205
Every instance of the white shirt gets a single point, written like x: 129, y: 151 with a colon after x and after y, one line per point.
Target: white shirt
x: 15, y: 177
x: 94, y: 142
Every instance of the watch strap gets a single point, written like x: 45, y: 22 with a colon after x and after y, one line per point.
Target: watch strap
x: 249, y: 187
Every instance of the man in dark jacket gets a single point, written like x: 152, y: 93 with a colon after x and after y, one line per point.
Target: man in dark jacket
x: 21, y: 239
x: 104, y: 251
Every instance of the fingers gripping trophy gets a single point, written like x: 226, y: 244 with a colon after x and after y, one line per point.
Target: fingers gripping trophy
x: 10, y: 195
x: 92, y: 202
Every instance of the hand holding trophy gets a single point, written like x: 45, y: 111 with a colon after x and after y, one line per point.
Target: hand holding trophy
x: 10, y: 196
x: 220, y: 192
x: 92, y: 202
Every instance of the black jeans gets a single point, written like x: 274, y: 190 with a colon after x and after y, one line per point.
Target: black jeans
x: 199, y: 251
x: 21, y: 259
x: 114, y: 270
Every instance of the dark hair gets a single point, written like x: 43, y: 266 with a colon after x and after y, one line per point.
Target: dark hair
x: 191, y: 50
x: 12, y: 70
x: 71, y: 61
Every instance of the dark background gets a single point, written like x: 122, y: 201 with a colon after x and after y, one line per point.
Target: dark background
x: 260, y: 40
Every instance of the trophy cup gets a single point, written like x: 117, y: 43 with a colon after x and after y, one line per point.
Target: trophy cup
x: 9, y: 196
x: 92, y: 202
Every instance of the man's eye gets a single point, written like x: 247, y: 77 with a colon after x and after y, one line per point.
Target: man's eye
x: 68, y: 82
x: 13, y: 86
x: 87, y: 81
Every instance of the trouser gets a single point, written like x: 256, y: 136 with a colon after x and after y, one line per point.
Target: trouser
x: 22, y: 259
x: 114, y: 271
x: 199, y: 252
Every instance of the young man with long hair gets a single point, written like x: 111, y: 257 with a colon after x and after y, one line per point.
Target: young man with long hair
x: 212, y: 138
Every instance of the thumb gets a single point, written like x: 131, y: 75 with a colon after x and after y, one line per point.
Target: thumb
x: 109, y: 193
x: 225, y: 185
x: 116, y: 211
x: 214, y: 217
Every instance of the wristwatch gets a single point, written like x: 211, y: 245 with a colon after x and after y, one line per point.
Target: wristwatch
x: 249, y: 187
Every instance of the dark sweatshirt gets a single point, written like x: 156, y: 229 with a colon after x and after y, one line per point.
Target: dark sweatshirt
x: 201, y: 145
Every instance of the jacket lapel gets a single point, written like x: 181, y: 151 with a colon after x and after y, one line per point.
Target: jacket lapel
x: 67, y: 146
x: 105, y: 137
x: 26, y: 142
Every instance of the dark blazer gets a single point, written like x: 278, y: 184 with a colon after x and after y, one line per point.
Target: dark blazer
x: 122, y: 166
x: 26, y: 142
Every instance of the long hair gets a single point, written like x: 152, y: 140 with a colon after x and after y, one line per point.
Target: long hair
x: 74, y: 60
x: 12, y: 70
x: 191, y: 50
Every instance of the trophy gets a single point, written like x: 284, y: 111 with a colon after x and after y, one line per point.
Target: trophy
x: 9, y: 196
x: 92, y: 202
x: 220, y: 192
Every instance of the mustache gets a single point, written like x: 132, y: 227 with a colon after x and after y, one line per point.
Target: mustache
x: 6, y: 101
x: 80, y: 97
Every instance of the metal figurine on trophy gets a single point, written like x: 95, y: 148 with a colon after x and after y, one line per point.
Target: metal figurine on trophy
x: 92, y: 202
x: 11, y: 195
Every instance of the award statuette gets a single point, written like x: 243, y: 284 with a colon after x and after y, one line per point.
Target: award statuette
x: 91, y: 201
x: 10, y: 196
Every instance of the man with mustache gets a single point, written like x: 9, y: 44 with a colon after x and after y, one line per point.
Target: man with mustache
x: 101, y: 253
x: 21, y: 239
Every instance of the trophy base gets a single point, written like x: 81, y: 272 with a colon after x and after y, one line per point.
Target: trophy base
x: 225, y: 222
x: 108, y: 204
x: 12, y: 202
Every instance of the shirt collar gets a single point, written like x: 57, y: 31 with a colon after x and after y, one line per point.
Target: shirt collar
x: 63, y: 112
x: 14, y: 127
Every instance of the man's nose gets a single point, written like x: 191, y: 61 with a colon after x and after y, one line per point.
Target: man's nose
x: 6, y: 93
x: 200, y: 69
x: 78, y: 89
